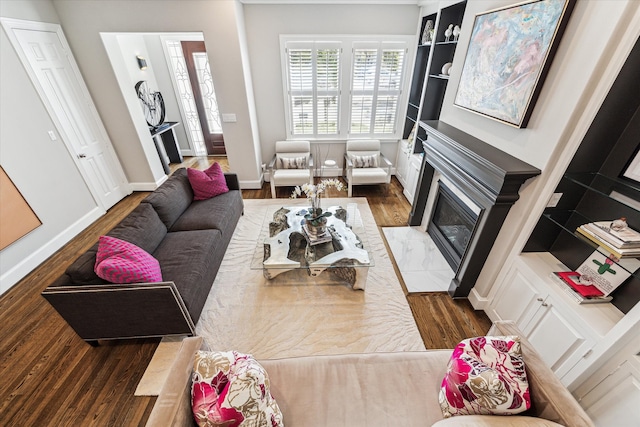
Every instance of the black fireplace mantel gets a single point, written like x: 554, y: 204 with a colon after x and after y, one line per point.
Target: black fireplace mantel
x: 490, y: 177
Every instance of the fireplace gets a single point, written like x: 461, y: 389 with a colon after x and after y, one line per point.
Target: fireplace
x: 476, y: 186
x: 452, y: 224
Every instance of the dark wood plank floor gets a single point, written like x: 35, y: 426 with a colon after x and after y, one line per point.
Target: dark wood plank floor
x: 50, y: 377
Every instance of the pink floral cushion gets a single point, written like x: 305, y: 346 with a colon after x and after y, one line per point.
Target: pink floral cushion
x: 485, y: 375
x: 232, y: 389
x: 208, y: 183
x: 118, y: 261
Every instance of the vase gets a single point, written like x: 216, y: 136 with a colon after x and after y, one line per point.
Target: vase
x: 317, y: 226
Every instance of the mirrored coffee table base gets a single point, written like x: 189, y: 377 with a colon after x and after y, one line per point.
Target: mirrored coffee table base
x: 288, y: 255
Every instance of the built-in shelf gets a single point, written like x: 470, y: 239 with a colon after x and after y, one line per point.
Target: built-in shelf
x: 568, y: 221
x: 601, y: 318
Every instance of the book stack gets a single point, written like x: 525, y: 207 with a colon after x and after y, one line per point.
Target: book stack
x: 314, y: 238
x: 583, y: 293
x: 621, y: 243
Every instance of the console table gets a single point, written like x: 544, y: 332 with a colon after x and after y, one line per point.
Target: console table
x: 164, y: 136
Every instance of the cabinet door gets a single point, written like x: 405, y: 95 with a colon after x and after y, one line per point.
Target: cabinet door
x: 614, y: 401
x: 401, y: 164
x: 412, y: 178
x: 559, y: 343
x: 518, y: 299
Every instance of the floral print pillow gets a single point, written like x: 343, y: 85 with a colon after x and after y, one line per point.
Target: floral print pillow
x: 485, y: 375
x: 231, y: 389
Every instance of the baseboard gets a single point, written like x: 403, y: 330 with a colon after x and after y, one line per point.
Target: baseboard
x: 148, y: 186
x: 478, y: 302
x: 251, y: 185
x: 27, y: 265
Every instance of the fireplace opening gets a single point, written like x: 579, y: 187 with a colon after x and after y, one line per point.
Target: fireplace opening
x: 452, y: 224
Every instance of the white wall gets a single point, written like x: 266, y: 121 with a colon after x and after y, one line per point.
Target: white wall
x: 265, y: 24
x: 83, y: 21
x: 594, y: 29
x: 41, y: 169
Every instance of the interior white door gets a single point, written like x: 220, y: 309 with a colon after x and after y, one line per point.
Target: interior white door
x: 47, y: 57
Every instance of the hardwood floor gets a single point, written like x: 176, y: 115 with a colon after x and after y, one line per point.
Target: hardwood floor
x: 50, y: 377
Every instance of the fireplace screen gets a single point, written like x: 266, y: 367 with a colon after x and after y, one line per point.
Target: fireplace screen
x: 452, y: 225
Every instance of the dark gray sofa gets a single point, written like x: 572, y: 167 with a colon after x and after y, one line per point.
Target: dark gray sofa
x: 187, y: 237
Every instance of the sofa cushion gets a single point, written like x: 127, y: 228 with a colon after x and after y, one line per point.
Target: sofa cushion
x: 495, y: 421
x: 142, y: 227
x: 172, y: 198
x: 82, y: 271
x: 486, y: 375
x: 118, y: 261
x: 231, y: 388
x: 208, y: 183
x: 191, y: 260
x: 218, y: 213
x: 395, y: 389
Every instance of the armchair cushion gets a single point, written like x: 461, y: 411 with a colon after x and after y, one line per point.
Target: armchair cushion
x: 292, y: 161
x: 370, y: 161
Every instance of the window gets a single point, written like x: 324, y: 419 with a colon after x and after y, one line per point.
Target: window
x: 313, y: 88
x: 376, y: 88
x: 316, y: 73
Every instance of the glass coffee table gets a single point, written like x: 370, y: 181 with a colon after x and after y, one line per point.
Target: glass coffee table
x: 287, y: 255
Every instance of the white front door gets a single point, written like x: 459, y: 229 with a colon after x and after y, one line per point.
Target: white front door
x: 44, y: 51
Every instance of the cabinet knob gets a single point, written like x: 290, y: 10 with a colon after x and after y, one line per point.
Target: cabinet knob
x: 539, y: 299
x: 544, y: 304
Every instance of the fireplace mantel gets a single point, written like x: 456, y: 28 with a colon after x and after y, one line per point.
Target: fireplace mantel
x: 488, y: 176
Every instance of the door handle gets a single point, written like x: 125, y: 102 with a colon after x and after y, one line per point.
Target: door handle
x: 82, y: 156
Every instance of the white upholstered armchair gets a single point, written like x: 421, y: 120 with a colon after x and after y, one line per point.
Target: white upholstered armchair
x: 291, y: 165
x: 365, y: 164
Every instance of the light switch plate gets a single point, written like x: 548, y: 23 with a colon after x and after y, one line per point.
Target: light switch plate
x: 554, y: 199
x: 229, y: 118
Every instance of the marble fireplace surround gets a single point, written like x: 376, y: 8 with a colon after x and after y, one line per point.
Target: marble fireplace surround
x: 488, y: 176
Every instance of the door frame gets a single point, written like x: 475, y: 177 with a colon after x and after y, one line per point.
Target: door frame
x: 10, y: 24
x: 192, y: 36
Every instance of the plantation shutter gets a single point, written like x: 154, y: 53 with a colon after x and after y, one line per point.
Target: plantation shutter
x: 376, y: 87
x: 313, y: 79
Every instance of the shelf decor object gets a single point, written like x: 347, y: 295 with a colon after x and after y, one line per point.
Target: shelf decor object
x: 509, y: 54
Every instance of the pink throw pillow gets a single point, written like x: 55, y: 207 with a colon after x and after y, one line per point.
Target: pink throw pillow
x: 208, y: 183
x: 232, y: 389
x: 485, y: 376
x: 118, y: 261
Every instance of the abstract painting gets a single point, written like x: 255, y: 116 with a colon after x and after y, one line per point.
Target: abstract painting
x: 16, y: 216
x: 509, y: 54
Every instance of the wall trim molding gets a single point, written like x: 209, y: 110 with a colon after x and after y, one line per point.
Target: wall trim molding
x: 148, y: 186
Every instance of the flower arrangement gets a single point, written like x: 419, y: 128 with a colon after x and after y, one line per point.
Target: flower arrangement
x: 313, y: 192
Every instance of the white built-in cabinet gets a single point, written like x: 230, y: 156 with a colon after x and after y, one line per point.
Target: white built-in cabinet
x: 564, y: 332
x: 408, y: 166
x: 612, y: 396
x: 402, y: 161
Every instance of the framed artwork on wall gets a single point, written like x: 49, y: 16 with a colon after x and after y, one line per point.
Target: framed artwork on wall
x: 16, y: 216
x: 508, y: 57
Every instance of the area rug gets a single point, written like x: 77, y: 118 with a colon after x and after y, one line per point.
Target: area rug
x: 250, y: 314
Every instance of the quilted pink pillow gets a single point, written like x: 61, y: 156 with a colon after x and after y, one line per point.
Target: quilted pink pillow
x: 118, y: 261
x: 485, y: 376
x: 208, y: 183
x: 232, y: 389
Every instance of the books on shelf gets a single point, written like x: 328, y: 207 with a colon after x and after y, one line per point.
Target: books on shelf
x: 568, y: 281
x: 625, y: 238
x: 618, y: 252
